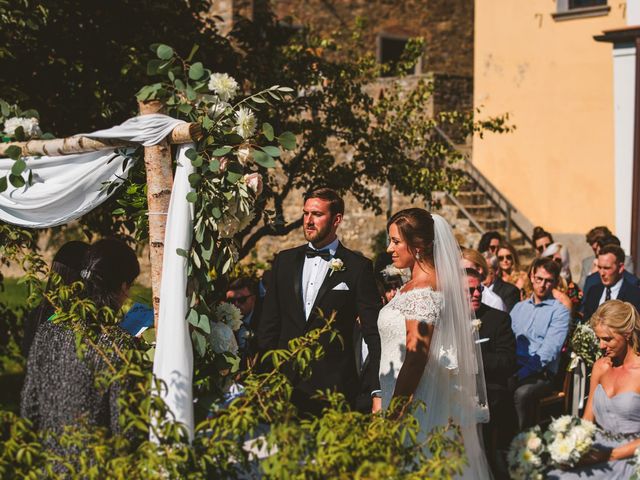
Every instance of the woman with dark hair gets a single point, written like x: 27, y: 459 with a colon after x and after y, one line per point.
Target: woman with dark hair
x: 510, y: 272
x: 66, y: 264
x: 489, y: 242
x: 541, y: 240
x: 60, y: 386
x: 428, y: 344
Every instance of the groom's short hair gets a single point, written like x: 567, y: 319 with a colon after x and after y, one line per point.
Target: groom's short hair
x: 336, y: 203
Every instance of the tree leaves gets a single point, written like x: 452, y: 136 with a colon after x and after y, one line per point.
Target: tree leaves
x: 287, y: 140
x: 164, y: 52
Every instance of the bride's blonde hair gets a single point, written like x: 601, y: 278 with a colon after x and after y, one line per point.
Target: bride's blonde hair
x: 622, y: 318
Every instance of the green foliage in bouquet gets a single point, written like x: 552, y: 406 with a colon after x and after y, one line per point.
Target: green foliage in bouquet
x: 584, y: 346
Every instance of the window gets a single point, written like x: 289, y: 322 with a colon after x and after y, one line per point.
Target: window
x: 570, y: 9
x: 390, y: 49
x: 573, y: 4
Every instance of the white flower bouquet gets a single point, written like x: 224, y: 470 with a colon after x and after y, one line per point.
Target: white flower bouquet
x: 584, y: 345
x: 526, y: 454
x: 564, y: 443
x: 568, y: 439
x: 636, y: 462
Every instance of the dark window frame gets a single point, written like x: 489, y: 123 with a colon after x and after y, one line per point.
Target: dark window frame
x: 382, y: 36
x: 567, y: 10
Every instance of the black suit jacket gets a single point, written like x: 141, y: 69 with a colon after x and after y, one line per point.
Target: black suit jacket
x: 509, y: 293
x: 628, y: 293
x: 283, y: 319
x: 499, y: 353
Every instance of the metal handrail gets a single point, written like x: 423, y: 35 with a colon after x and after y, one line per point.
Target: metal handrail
x: 466, y: 213
x: 498, y: 199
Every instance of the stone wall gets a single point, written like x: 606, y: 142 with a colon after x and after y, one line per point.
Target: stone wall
x: 446, y: 25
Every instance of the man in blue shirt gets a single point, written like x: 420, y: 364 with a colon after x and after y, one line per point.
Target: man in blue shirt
x: 540, y: 325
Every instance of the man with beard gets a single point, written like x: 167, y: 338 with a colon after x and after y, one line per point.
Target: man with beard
x: 309, y: 284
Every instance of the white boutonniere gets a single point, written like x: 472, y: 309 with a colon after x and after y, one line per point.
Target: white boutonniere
x: 476, y: 324
x: 336, y: 265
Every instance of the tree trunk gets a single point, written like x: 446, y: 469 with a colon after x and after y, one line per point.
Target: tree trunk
x: 157, y: 160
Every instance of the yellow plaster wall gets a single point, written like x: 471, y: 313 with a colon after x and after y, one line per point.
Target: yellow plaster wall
x: 556, y: 83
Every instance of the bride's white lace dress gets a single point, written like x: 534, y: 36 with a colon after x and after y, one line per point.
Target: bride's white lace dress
x: 425, y: 305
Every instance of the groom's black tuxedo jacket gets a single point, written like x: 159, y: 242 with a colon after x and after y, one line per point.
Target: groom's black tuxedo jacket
x: 283, y: 319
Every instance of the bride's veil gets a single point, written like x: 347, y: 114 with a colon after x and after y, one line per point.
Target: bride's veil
x: 455, y: 377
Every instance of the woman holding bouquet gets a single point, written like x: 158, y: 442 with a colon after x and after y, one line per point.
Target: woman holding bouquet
x: 614, y: 398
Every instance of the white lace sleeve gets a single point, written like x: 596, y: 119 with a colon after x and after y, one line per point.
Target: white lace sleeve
x: 423, y: 305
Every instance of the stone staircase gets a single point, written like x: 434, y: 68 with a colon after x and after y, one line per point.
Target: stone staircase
x: 488, y: 216
x: 478, y: 207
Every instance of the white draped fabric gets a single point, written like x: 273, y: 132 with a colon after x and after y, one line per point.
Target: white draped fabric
x: 67, y: 187
x: 173, y: 361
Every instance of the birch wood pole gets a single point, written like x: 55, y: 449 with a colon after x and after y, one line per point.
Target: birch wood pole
x: 157, y: 161
x: 184, y: 133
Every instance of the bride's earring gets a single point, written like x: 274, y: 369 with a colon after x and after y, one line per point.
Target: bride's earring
x: 418, y: 256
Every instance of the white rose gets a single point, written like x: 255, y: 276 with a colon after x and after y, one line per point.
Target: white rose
x: 224, y: 163
x: 223, y: 85
x: 218, y: 109
x: 534, y: 443
x: 561, y: 450
x: 29, y: 125
x: 229, y: 314
x: 245, y: 122
x: 560, y: 424
x: 476, y: 324
x: 222, y: 338
x: 254, y: 182
x: 244, y: 155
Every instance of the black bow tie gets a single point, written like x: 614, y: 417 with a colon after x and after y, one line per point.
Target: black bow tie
x: 312, y: 253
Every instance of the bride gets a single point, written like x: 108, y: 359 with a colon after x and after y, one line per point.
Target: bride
x: 428, y: 347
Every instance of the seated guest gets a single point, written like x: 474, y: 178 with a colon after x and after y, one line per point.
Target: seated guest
x: 589, y: 265
x: 489, y: 243
x: 499, y: 361
x: 474, y: 259
x: 567, y: 291
x: 594, y: 278
x: 509, y: 293
x: 243, y: 293
x: 60, y: 386
x: 541, y: 240
x: 614, y: 397
x: 613, y: 284
x: 540, y: 324
x: 66, y: 264
x: 510, y: 271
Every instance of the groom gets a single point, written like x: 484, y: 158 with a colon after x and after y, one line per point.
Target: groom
x: 310, y: 283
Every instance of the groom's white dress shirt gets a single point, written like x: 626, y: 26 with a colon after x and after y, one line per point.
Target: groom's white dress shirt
x: 313, y: 273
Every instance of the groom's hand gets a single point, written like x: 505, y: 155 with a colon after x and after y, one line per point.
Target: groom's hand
x: 376, y: 405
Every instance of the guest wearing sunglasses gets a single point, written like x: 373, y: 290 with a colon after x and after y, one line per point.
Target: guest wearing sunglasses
x: 541, y: 240
x: 474, y: 259
x: 540, y: 324
x: 510, y: 271
x: 243, y: 293
x: 489, y: 243
x: 498, y: 345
